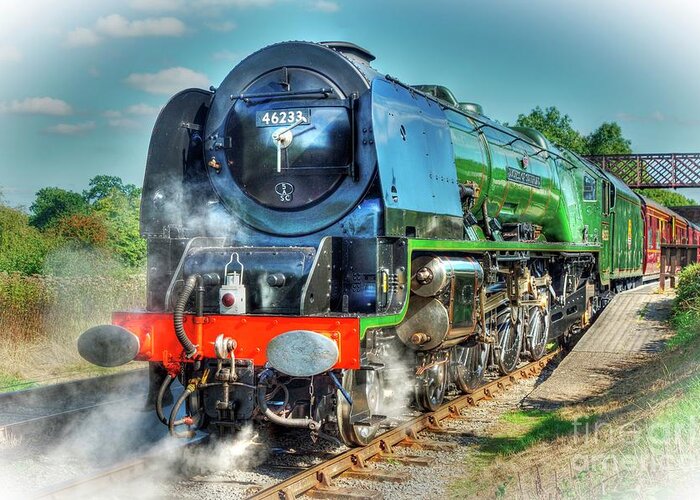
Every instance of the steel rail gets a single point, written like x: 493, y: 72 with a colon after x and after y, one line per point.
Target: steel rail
x: 354, y: 461
x: 49, y: 408
x: 93, y: 485
x: 318, y: 478
x: 60, y: 389
x: 54, y: 421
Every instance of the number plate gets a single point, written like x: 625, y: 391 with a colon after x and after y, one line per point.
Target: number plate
x: 281, y: 117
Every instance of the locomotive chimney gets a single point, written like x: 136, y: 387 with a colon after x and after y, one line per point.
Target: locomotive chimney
x: 351, y: 51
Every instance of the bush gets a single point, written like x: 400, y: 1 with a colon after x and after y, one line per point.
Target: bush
x: 688, y: 289
x: 84, y: 229
x: 47, y: 308
x: 63, y: 269
x: 22, y: 247
x: 73, y: 260
x: 686, y: 307
x: 23, y: 301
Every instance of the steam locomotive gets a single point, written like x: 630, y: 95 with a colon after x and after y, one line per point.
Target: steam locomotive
x: 323, y: 237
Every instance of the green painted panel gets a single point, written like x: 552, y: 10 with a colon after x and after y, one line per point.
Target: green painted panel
x: 517, y: 181
x: 415, y: 245
x: 627, y: 237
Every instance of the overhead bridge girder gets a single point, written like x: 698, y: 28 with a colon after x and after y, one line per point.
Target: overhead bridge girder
x: 653, y: 170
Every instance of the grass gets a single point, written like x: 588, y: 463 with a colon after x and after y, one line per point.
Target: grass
x: 641, y: 436
x: 686, y: 313
x: 627, y: 446
x: 41, y: 318
x: 515, y: 433
x: 682, y: 415
x: 519, y: 430
x: 10, y: 383
x: 642, y: 313
x: 59, y: 373
x: 658, y: 456
x: 686, y: 326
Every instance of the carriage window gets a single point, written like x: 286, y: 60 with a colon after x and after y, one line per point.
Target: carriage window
x: 662, y: 234
x: 588, y: 188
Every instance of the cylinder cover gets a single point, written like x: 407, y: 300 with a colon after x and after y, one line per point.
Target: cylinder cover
x: 437, y: 281
x: 430, y: 273
x: 426, y: 316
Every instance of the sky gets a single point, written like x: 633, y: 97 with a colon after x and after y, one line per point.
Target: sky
x: 81, y: 82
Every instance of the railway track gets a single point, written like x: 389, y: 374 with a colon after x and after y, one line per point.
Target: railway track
x: 108, y: 481
x: 317, y: 481
x: 47, y: 410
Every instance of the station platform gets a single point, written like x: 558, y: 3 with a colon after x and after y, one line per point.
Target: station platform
x: 631, y: 329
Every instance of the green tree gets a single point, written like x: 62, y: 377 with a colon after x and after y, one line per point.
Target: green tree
x: 666, y: 198
x: 86, y: 230
x: 101, y: 186
x: 608, y: 140
x: 121, y: 215
x: 52, y: 203
x: 555, y: 126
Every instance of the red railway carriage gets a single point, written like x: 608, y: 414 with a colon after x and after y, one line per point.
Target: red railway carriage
x: 686, y: 233
x: 694, y: 237
x: 659, y: 229
x: 663, y: 226
x: 680, y: 229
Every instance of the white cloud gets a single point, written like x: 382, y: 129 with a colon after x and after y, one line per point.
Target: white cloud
x: 117, y: 26
x: 223, y: 27
x: 131, y: 117
x: 178, y: 5
x: 225, y: 55
x: 142, y: 109
x: 168, y: 81
x: 124, y: 123
x: 235, y: 3
x: 10, y: 53
x: 82, y: 37
x: 157, y: 5
x: 658, y: 117
x: 120, y: 27
x: 71, y: 128
x: 325, y: 6
x: 37, y: 106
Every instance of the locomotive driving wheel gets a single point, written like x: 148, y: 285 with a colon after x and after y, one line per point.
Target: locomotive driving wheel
x: 469, y: 365
x: 538, y: 332
x: 431, y: 384
x: 509, y: 328
x: 358, y: 422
